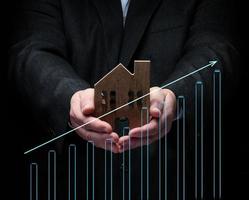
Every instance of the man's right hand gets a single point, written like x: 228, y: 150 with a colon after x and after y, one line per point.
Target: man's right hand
x: 98, y: 131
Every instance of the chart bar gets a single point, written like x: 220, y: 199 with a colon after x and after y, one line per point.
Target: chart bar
x: 199, y: 140
x: 51, y: 175
x: 33, y: 183
x: 217, y: 136
x: 72, y: 172
x: 90, y: 190
x: 159, y: 159
x: 165, y: 156
x: 108, y: 171
x: 181, y: 148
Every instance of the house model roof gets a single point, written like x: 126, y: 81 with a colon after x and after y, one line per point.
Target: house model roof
x: 119, y: 67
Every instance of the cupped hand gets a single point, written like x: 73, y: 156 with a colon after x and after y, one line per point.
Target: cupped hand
x: 162, y: 114
x: 95, y: 130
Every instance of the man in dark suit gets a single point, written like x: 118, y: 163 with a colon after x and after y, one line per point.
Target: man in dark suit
x: 61, y: 48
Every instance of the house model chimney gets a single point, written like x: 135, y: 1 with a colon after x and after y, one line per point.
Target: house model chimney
x: 142, y: 69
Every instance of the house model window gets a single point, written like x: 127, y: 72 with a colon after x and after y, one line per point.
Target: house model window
x: 120, y: 87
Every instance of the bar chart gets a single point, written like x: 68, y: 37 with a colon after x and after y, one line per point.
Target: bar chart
x: 147, y: 173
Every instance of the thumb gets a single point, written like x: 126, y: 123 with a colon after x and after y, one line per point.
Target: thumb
x: 156, y: 103
x: 88, y: 102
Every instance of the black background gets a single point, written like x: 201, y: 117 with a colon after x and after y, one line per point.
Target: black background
x: 236, y: 143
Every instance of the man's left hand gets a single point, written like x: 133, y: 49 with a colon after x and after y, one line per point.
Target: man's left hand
x: 162, y: 114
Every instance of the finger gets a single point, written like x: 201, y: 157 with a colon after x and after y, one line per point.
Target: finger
x: 132, y: 143
x: 114, y: 136
x: 97, y: 125
x: 156, y: 102
x: 151, y: 129
x: 123, y: 139
x: 113, y: 147
x: 99, y: 139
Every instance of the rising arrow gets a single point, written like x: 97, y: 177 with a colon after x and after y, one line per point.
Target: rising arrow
x: 211, y: 64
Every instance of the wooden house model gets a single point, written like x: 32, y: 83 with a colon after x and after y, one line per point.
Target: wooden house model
x: 119, y: 87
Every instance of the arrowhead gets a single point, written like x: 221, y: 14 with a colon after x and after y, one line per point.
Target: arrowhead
x: 213, y: 62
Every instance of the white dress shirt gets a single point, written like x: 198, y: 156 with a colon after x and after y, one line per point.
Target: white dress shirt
x: 125, y: 6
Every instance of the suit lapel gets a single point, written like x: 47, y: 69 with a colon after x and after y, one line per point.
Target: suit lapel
x: 138, y: 17
x: 110, y: 13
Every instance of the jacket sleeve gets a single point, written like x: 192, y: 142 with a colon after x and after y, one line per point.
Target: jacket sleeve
x: 210, y: 38
x: 39, y: 66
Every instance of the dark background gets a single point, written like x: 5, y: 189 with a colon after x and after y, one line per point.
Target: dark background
x: 236, y: 143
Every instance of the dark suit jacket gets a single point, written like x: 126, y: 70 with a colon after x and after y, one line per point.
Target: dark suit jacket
x: 62, y: 46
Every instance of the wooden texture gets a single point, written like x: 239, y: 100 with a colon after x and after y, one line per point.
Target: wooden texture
x: 119, y: 87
